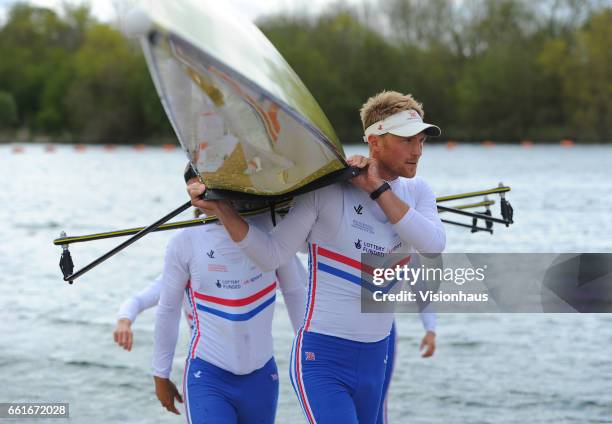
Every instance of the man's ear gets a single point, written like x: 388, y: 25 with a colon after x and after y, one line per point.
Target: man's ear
x: 373, y: 140
x: 374, y: 143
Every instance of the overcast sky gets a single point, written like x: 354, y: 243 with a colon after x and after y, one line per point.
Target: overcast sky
x: 106, y: 10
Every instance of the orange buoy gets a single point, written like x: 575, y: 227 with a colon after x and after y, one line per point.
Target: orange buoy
x: 18, y: 149
x: 168, y: 147
x: 567, y: 143
x: 139, y: 147
x: 527, y: 143
x: 109, y: 147
x: 451, y: 144
x: 488, y: 143
x: 80, y: 148
x: 50, y: 148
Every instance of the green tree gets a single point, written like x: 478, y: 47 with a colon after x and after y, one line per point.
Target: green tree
x: 502, y: 69
x: 500, y: 89
x: 8, y: 110
x: 36, y: 46
x: 583, y: 67
x: 103, y: 100
x: 337, y: 57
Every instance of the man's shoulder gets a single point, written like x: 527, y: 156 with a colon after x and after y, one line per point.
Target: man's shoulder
x: 334, y: 188
x: 325, y: 194
x: 415, y: 184
x: 185, y: 236
x: 415, y: 188
x: 416, y: 180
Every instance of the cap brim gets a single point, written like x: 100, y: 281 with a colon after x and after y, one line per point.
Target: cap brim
x: 414, y: 128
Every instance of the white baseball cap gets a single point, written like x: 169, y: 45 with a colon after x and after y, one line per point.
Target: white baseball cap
x: 404, y: 124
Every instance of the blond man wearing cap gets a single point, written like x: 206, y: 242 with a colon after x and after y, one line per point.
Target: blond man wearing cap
x: 337, y: 365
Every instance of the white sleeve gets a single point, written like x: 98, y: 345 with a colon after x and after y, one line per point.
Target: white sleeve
x: 271, y: 250
x: 292, y: 280
x: 145, y: 299
x: 168, y: 316
x: 427, y: 311
x: 421, y: 226
x: 429, y: 320
x: 320, y: 207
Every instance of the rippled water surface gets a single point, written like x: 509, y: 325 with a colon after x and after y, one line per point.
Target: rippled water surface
x: 56, y: 340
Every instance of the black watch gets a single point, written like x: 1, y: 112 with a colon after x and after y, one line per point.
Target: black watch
x: 380, y: 190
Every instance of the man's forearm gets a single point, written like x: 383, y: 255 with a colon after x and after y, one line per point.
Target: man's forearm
x: 393, y: 207
x: 236, y: 227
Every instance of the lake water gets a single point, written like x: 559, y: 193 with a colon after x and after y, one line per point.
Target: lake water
x: 56, y: 340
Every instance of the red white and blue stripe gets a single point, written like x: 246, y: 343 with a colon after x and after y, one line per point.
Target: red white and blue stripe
x: 296, y: 376
x: 236, y: 309
x: 351, y: 270
x: 295, y: 363
x: 195, y: 338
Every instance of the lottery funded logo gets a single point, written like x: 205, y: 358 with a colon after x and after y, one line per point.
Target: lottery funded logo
x: 229, y: 284
x: 371, y: 248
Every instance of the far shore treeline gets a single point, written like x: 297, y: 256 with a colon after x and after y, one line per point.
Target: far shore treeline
x: 505, y: 70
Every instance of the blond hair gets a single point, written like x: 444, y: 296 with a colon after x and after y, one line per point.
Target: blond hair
x: 387, y: 103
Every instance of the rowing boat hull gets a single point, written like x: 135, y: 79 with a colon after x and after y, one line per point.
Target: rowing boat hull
x: 247, y: 122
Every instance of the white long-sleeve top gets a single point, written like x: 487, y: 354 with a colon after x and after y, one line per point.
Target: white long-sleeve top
x: 231, y: 298
x: 340, y: 222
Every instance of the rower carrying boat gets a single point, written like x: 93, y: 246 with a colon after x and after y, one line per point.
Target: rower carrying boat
x: 250, y: 128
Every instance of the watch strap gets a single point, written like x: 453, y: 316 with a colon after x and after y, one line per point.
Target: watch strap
x: 380, y: 190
